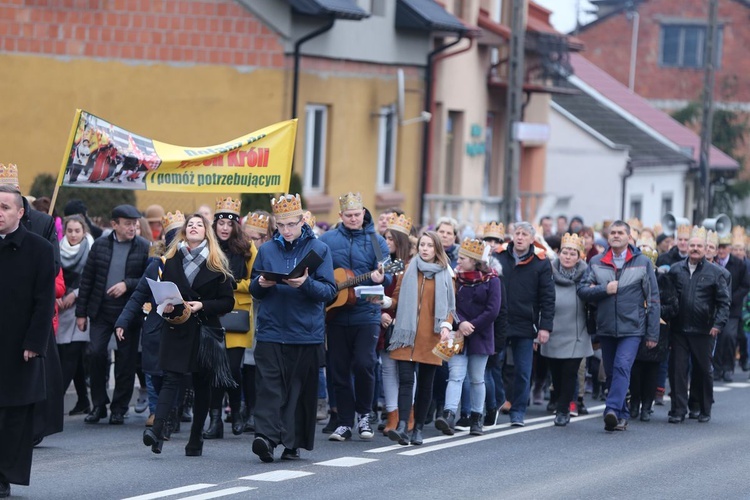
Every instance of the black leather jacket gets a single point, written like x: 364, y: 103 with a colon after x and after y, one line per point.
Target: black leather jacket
x: 704, y: 297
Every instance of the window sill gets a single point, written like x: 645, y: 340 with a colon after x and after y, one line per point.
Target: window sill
x: 388, y: 199
x: 318, y: 203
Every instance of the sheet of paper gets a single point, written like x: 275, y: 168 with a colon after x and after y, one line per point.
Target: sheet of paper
x: 164, y: 292
x: 369, y: 291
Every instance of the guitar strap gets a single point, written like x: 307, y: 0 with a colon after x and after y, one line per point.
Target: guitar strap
x: 376, y: 247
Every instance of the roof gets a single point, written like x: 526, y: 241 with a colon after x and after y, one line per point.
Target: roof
x: 644, y: 150
x: 428, y: 15
x: 340, y: 9
x: 641, y: 110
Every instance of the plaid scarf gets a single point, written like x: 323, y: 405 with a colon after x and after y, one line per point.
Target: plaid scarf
x: 474, y: 277
x: 192, y: 259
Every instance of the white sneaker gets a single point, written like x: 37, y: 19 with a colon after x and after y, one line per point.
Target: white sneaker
x: 342, y: 433
x: 363, y: 427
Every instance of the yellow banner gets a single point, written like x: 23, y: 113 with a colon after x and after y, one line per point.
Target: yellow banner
x: 100, y: 154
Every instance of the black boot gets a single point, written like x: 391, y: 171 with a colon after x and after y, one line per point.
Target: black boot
x: 154, y: 436
x: 416, y: 435
x: 215, y: 426
x: 399, y: 434
x: 194, y: 447
x: 238, y: 423
x: 475, y: 427
x: 169, y: 424
x: 446, y: 423
x: 187, y: 406
x: 250, y: 423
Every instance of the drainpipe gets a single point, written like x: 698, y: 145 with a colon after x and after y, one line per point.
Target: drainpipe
x: 633, y: 48
x: 628, y: 173
x: 429, y: 82
x: 298, y: 56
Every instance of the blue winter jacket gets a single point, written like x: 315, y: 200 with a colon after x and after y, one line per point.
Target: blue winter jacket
x: 289, y: 315
x: 635, y: 309
x: 353, y: 250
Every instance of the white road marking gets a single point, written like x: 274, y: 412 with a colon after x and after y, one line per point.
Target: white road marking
x: 737, y: 385
x: 494, y: 435
x: 278, y: 475
x: 720, y: 388
x: 347, y: 462
x: 426, y: 441
x: 173, y: 491
x: 220, y: 493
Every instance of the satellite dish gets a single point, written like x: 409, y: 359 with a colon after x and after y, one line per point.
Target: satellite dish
x: 400, y: 100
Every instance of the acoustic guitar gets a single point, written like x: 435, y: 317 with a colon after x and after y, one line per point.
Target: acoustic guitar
x: 346, y: 280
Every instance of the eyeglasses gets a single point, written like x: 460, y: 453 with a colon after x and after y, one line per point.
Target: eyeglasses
x: 290, y: 225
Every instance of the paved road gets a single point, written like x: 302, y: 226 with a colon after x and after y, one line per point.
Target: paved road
x: 651, y: 460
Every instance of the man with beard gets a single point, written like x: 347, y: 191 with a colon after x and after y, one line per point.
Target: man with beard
x: 704, y: 295
x: 26, y: 311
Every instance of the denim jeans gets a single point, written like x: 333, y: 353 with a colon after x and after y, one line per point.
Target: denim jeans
x: 322, y: 393
x: 523, y: 355
x: 390, y: 381
x: 618, y: 355
x: 459, y: 365
x: 493, y: 379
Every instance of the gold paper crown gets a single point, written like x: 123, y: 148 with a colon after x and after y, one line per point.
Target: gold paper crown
x: 651, y: 254
x: 8, y: 175
x: 738, y: 236
x: 309, y: 219
x: 725, y: 240
x: 228, y: 206
x: 473, y: 249
x: 646, y: 242
x: 698, y: 232
x: 399, y: 223
x: 445, y: 349
x: 658, y: 229
x: 572, y: 241
x: 683, y: 231
x: 172, y: 220
x: 635, y: 223
x: 286, y: 206
x: 350, y: 201
x: 712, y: 237
x: 494, y: 230
x: 738, y: 231
x: 257, y: 223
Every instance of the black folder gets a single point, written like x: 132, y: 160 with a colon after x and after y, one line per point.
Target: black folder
x: 311, y: 261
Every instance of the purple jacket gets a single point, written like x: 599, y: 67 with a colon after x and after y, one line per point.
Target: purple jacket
x: 479, y: 305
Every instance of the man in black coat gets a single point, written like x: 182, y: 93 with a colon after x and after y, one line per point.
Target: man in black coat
x: 726, y: 342
x: 113, y: 269
x: 679, y: 251
x: 704, y: 295
x: 26, y: 311
x: 527, y: 275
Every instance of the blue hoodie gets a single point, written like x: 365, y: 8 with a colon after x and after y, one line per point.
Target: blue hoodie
x: 289, y: 315
x: 353, y: 250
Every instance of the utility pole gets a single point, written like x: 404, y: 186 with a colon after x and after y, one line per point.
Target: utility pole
x: 514, y: 106
x: 704, y: 188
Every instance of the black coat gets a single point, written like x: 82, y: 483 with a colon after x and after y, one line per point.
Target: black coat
x: 531, y: 293
x: 669, y: 258
x: 670, y: 306
x: 94, y: 278
x: 26, y: 310
x: 704, y: 297
x: 179, y: 343
x: 44, y: 225
x: 740, y: 285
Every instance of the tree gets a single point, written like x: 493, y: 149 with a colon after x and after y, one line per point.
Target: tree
x: 99, y: 201
x: 262, y: 201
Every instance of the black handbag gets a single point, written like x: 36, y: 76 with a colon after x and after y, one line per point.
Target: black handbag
x: 388, y: 334
x: 212, y: 356
x: 236, y: 321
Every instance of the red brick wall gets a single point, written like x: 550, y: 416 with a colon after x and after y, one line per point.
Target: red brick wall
x: 608, y: 46
x: 195, y: 31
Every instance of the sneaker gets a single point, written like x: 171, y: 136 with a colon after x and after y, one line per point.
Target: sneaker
x: 573, y: 409
x: 363, y: 427
x: 141, y: 404
x: 517, y: 423
x: 463, y: 421
x: 582, y: 410
x: 659, y: 398
x: 342, y: 433
x: 322, y: 412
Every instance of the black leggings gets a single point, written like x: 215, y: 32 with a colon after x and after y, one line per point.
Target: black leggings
x: 71, y: 362
x: 643, y: 382
x: 423, y: 397
x: 564, y: 377
x: 170, y: 388
x: 248, y: 387
x: 235, y: 355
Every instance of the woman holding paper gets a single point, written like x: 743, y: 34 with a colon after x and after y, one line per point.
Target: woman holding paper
x: 477, y: 306
x: 196, y: 264
x: 239, y: 332
x: 425, y: 303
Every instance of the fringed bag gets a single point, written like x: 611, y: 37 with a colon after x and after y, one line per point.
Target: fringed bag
x: 212, y: 356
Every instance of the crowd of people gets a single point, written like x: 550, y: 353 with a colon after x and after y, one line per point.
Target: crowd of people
x: 455, y: 325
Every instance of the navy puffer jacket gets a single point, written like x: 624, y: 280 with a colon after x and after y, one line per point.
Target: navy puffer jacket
x: 289, y: 315
x: 353, y: 250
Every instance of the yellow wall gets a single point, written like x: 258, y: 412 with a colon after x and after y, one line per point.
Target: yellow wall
x: 197, y: 106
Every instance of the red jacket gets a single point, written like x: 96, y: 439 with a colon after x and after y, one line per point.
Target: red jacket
x: 59, y: 293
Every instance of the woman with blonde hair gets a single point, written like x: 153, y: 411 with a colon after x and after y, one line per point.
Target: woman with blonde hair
x: 195, y: 263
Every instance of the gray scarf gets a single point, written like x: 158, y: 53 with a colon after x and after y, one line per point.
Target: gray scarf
x: 73, y: 257
x: 405, y: 331
x: 192, y: 259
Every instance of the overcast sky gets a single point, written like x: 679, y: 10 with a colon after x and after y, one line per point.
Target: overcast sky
x: 564, y: 13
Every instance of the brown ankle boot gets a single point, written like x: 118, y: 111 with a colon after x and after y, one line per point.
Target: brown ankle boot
x: 391, y: 423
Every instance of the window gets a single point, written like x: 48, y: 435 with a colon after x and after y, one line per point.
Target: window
x: 377, y: 7
x: 683, y: 45
x: 316, y: 125
x: 387, y: 148
x: 453, y: 149
x: 636, y: 207
x: 666, y: 203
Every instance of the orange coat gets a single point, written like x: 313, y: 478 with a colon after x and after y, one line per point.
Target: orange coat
x: 426, y: 338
